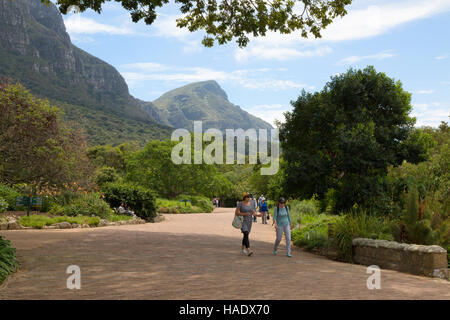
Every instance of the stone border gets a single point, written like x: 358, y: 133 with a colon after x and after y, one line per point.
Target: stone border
x: 430, y: 261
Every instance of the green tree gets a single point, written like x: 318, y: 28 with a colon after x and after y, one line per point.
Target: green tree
x: 35, y: 145
x: 152, y: 167
x: 227, y: 19
x: 345, y: 137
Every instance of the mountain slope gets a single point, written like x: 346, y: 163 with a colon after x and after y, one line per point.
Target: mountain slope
x: 204, y: 101
x: 36, y: 50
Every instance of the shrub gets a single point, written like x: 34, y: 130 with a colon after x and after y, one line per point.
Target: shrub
x: 303, y: 211
x: 358, y: 224
x: 203, y: 203
x: 3, y: 205
x: 315, y: 233
x: 105, y: 175
x: 9, y: 194
x: 142, y: 201
x: 8, y: 260
x: 87, y: 205
x: 119, y: 217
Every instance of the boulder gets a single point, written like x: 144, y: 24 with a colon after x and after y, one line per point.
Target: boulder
x: 14, y: 226
x: 4, y: 226
x: 85, y: 225
x: 63, y: 225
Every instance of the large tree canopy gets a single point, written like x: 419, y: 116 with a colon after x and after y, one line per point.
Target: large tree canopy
x: 345, y: 137
x: 224, y: 20
x: 35, y: 145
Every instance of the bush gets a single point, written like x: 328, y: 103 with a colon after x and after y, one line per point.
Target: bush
x: 105, y: 175
x: 358, y: 224
x: 9, y: 194
x: 3, y: 205
x: 315, y: 233
x: 203, y: 203
x: 303, y: 211
x: 87, y: 205
x: 142, y: 201
x: 119, y: 217
x: 8, y: 260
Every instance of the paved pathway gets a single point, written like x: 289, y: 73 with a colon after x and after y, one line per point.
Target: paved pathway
x: 195, y: 256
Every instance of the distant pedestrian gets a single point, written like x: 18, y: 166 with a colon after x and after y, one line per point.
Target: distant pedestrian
x: 263, y: 209
x: 282, y: 222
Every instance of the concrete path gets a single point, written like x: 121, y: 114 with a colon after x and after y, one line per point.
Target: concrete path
x: 191, y: 256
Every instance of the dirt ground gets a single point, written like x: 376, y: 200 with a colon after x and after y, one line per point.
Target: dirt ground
x: 191, y: 256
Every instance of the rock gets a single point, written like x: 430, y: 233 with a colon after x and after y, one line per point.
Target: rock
x: 4, y: 226
x: 63, y: 225
x: 84, y: 225
x: 75, y: 225
x: 14, y: 226
x: 158, y: 218
x: 103, y: 223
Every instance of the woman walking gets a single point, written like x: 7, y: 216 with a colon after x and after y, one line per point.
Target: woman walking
x: 246, y: 209
x: 263, y: 210
x: 282, y: 221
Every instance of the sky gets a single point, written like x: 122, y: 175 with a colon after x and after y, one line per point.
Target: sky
x: 407, y: 40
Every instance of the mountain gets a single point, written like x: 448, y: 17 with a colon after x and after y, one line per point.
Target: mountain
x: 204, y: 101
x: 36, y: 50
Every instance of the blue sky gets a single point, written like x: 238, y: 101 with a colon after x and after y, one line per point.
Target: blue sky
x: 408, y: 40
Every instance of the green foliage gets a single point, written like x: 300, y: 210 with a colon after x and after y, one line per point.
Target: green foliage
x: 35, y: 145
x: 119, y: 217
x: 315, y: 233
x: 153, y: 168
x: 347, y: 135
x: 197, y: 204
x: 105, y: 175
x: 9, y: 194
x: 105, y: 128
x: 222, y: 21
x: 303, y: 211
x: 90, y: 204
x: 202, y: 202
x: 412, y: 207
x: 141, y: 200
x: 8, y: 260
x: 39, y: 221
x: 358, y: 224
x: 3, y: 205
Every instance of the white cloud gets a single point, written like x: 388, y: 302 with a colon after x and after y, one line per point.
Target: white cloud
x: 269, y: 113
x: 430, y: 91
x: 278, y: 53
x: 138, y: 73
x: 430, y: 114
x: 364, y: 20
x: 441, y: 57
x: 166, y: 26
x: 146, y: 66
x: 76, y: 24
x: 378, y: 56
